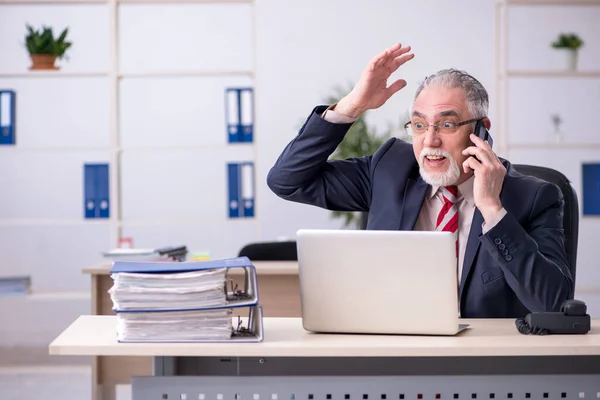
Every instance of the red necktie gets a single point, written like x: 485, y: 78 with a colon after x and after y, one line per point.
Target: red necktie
x: 447, y: 220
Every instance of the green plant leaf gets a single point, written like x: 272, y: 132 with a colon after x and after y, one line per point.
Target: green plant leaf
x: 568, y: 41
x: 42, y: 41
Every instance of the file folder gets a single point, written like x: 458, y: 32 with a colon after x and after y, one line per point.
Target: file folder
x: 232, y: 114
x: 247, y: 115
x: 251, y: 332
x: 89, y: 192
x: 7, y: 117
x: 96, y: 191
x: 247, y: 183
x: 241, y: 202
x: 242, y: 297
x: 233, y: 203
x: 130, y: 319
x: 239, y: 113
x: 591, y: 188
x: 102, y: 195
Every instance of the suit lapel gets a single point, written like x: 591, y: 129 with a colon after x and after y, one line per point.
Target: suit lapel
x: 473, y: 244
x: 413, y: 200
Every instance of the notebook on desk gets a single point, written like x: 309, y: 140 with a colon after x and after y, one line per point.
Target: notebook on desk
x: 378, y: 282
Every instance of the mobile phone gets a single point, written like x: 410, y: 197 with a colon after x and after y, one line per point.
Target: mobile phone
x: 482, y: 132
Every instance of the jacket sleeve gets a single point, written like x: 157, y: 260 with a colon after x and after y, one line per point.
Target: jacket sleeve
x: 533, y: 256
x: 303, y: 173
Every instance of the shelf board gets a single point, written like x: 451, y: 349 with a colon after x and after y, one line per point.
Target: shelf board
x: 168, y: 2
x: 155, y: 222
x: 199, y: 73
x: 52, y: 74
x: 50, y: 2
x: 165, y: 2
x: 553, y: 74
x: 563, y: 145
x: 52, y: 222
x: 552, y: 2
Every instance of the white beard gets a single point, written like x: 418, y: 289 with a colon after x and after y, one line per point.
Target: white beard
x: 446, y: 178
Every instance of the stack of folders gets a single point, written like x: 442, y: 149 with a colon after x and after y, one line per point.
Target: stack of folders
x: 190, y: 301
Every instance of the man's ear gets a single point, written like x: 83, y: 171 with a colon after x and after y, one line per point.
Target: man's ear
x: 487, y: 123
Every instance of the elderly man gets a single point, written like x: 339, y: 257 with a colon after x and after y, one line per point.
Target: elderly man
x: 510, y: 242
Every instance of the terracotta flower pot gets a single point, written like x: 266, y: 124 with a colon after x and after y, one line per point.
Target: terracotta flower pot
x: 42, y: 61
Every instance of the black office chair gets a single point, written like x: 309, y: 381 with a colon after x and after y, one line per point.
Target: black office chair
x: 571, y: 211
x: 270, y: 251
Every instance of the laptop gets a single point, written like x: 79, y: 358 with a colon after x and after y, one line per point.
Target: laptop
x: 378, y: 282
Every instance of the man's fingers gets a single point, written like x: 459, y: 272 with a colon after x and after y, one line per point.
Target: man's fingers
x: 401, y: 60
x: 485, y: 146
x: 394, y: 87
x: 388, y: 56
x: 471, y: 163
x: 382, y: 58
x: 481, y: 154
x: 398, y: 50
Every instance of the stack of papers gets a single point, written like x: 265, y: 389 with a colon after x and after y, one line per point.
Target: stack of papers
x: 183, y: 301
x: 170, y: 253
x: 176, y: 291
x: 194, y: 325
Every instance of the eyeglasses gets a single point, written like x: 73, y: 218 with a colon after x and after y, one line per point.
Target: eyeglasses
x: 445, y: 128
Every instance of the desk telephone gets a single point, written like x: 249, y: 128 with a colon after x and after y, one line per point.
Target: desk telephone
x: 571, y: 319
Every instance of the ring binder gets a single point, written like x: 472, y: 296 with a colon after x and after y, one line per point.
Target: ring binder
x: 151, y: 298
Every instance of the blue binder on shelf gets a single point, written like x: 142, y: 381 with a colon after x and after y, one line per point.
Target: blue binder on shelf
x: 7, y: 117
x: 591, y: 188
x: 235, y: 298
x: 241, y: 189
x: 96, y: 191
x: 239, y: 113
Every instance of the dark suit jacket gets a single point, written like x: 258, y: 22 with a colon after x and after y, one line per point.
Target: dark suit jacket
x: 519, y: 266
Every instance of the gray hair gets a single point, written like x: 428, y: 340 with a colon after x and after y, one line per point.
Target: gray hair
x: 477, y: 96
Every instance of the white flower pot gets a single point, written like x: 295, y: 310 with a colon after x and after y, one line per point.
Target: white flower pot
x: 569, y: 59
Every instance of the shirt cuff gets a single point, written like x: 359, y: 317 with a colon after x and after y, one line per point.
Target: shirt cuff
x: 332, y: 116
x: 499, y: 215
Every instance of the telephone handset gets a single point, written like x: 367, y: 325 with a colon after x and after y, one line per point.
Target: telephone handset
x: 482, y: 132
x: 571, y: 319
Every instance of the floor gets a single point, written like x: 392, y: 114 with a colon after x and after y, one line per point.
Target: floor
x: 27, y: 374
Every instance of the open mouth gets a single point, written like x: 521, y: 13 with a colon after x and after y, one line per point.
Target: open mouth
x: 434, y: 161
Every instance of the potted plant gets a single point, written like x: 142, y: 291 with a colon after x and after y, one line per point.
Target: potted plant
x: 361, y: 140
x: 44, y: 48
x: 569, y: 44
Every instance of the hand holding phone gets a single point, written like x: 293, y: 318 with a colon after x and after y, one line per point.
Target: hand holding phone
x: 488, y: 170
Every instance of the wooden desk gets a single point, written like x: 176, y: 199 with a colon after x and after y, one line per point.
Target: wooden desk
x: 285, y: 337
x: 279, y: 294
x: 489, y: 360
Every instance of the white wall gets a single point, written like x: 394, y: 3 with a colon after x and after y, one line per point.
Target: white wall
x: 172, y: 130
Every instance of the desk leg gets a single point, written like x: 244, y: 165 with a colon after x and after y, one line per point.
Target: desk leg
x: 163, y: 366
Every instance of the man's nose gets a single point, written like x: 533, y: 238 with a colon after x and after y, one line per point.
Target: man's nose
x: 432, y: 139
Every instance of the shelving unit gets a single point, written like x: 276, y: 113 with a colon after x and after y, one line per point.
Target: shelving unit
x: 115, y: 75
x: 503, y: 73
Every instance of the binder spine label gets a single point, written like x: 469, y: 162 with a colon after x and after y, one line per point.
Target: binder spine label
x: 7, y: 117
x: 240, y: 178
x: 96, y: 191
x: 239, y: 113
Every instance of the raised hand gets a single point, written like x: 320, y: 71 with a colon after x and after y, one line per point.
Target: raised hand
x: 372, y: 91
